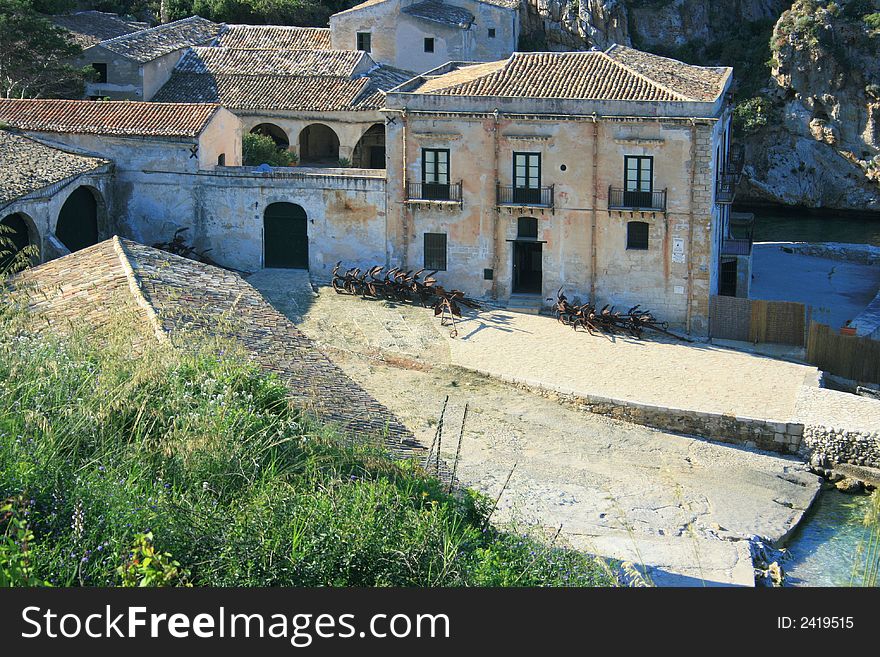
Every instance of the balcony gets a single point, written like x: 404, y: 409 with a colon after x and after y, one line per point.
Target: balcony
x: 742, y: 229
x: 621, y: 199
x: 725, y: 188
x: 736, y: 159
x: 532, y: 197
x: 736, y: 246
x: 418, y: 192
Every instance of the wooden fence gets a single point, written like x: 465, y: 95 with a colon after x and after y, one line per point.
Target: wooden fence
x: 756, y: 320
x: 844, y: 355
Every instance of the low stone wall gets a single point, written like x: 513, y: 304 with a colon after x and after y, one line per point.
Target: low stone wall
x: 756, y: 433
x: 827, y: 446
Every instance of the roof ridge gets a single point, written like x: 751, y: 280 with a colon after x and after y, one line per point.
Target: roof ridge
x: 644, y: 77
x: 156, y: 28
x: 136, y: 292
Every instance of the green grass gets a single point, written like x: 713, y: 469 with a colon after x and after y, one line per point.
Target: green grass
x: 100, y: 446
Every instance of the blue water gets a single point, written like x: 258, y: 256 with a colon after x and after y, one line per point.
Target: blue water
x: 826, y: 545
x: 796, y: 225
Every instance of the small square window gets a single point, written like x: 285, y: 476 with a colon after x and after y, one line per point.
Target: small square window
x: 491, y: 32
x: 429, y: 44
x: 364, y: 40
x: 435, y: 251
x: 637, y: 235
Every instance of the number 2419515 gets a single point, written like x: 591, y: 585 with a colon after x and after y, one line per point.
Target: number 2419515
x: 815, y: 622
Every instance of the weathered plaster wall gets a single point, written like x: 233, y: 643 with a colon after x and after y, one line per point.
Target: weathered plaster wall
x: 398, y: 38
x: 124, y: 76
x: 156, y: 72
x: 221, y: 135
x: 678, y: 263
x: 345, y: 210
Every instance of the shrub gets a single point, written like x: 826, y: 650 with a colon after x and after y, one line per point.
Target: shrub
x: 752, y: 115
x: 259, y: 149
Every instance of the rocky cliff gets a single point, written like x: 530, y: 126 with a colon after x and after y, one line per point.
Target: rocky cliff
x: 808, y: 81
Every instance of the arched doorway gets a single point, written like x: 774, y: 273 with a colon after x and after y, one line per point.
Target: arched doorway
x: 370, y: 150
x: 318, y: 144
x: 77, y: 225
x: 274, y: 132
x: 16, y: 238
x: 285, y: 237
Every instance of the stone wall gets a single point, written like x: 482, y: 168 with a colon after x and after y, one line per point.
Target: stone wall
x: 754, y: 433
x: 828, y: 446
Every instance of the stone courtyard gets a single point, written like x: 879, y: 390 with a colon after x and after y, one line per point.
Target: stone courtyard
x: 678, y: 504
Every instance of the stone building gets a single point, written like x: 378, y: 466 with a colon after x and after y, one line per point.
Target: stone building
x: 323, y: 105
x: 135, y: 65
x: 418, y: 35
x: 155, y: 148
x: 590, y: 171
x: 52, y: 198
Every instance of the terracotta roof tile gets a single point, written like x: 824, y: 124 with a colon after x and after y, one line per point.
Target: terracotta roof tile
x: 147, y: 45
x: 275, y: 37
x: 89, y: 27
x: 27, y: 165
x: 299, y: 80
x: 107, y: 117
x: 580, y: 75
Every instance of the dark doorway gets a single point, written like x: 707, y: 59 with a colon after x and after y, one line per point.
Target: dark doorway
x: 14, y: 241
x: 369, y: 152
x: 527, y: 267
x: 285, y: 237
x: 727, y: 279
x: 318, y: 144
x: 78, y: 220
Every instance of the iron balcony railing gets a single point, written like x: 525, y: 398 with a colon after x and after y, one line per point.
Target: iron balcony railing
x: 736, y: 159
x: 428, y: 192
x: 536, y: 197
x: 736, y: 246
x: 725, y: 188
x: 622, y: 199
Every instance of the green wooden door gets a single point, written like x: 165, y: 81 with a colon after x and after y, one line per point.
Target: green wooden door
x: 286, y: 237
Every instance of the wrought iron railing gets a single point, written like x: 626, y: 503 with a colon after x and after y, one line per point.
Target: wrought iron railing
x: 736, y: 246
x: 427, y: 192
x: 622, y: 199
x: 538, y: 197
x: 725, y: 188
x: 736, y: 159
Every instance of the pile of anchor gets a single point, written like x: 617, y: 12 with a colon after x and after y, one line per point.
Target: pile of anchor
x: 398, y: 285
x: 608, y: 319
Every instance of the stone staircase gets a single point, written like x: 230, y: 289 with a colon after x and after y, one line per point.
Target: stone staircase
x: 529, y: 304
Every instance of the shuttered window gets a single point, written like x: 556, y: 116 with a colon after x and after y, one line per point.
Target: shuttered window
x: 637, y: 235
x: 435, y: 251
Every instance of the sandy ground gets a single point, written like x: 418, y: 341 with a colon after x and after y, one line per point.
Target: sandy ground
x: 677, y: 504
x: 837, y: 290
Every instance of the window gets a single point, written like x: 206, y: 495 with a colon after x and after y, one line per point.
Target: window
x: 527, y: 228
x: 638, y: 176
x: 637, y: 235
x: 435, y: 251
x: 429, y: 44
x: 101, y: 70
x: 363, y: 41
x: 526, y: 177
x: 491, y: 32
x: 435, y: 174
x: 221, y: 160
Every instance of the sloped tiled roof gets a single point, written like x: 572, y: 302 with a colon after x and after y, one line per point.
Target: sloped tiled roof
x: 147, y: 45
x: 296, y: 80
x: 703, y: 83
x: 89, y: 27
x: 275, y: 37
x: 174, y: 296
x: 233, y: 61
x: 437, y: 11
x: 27, y: 165
x: 106, y: 117
x: 579, y: 75
x: 506, y: 4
